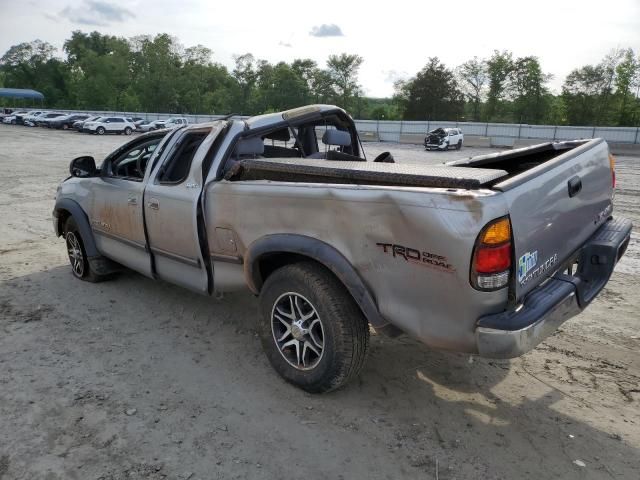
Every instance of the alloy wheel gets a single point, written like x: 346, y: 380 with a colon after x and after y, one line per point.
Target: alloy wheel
x: 75, y: 254
x: 297, y: 330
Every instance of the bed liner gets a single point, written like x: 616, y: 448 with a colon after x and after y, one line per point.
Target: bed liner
x: 367, y: 173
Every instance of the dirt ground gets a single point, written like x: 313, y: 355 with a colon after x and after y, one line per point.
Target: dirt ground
x: 135, y: 379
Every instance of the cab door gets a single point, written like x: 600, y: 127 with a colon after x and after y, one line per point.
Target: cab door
x: 116, y: 211
x: 171, y: 209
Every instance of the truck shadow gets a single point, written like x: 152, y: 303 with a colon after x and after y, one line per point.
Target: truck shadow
x: 478, y: 418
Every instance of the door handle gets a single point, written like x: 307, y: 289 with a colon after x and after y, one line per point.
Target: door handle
x: 132, y: 201
x: 153, y: 204
x: 574, y: 185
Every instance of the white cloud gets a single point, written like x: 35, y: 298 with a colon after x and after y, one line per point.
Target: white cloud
x: 326, y: 30
x: 96, y: 13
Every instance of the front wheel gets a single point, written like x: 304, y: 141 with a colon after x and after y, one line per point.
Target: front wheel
x: 459, y: 145
x: 127, y: 131
x: 312, y: 331
x: 100, y: 131
x: 80, y: 266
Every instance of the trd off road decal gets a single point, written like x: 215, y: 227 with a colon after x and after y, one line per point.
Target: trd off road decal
x: 527, y: 269
x: 526, y: 263
x: 416, y: 256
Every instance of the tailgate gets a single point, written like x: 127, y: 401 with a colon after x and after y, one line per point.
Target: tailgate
x: 554, y: 208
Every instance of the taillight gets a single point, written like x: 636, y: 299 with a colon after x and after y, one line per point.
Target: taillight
x: 491, y: 261
x: 612, y: 165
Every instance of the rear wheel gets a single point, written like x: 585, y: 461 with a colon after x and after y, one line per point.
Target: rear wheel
x: 80, y: 266
x: 312, y: 331
x: 100, y: 131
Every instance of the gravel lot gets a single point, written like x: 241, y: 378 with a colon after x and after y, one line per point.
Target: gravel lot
x: 135, y: 379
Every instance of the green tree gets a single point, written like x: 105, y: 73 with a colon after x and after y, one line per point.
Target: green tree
x: 432, y: 94
x: 472, y: 79
x: 626, y: 81
x: 34, y: 65
x: 499, y: 68
x: 526, y: 87
x: 343, y: 70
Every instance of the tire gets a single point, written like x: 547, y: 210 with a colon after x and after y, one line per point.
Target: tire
x: 331, y: 339
x: 459, y: 145
x: 13, y: 122
x: 65, y: 126
x: 127, y: 131
x: 100, y: 130
x: 80, y: 266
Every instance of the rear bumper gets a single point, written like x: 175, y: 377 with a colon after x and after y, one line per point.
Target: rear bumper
x: 512, y: 333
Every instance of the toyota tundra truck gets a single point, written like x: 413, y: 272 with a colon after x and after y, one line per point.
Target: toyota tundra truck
x: 487, y: 255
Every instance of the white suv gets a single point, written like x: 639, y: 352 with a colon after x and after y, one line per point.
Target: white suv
x: 443, y: 139
x: 109, y: 125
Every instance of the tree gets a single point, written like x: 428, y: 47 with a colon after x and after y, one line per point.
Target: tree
x: 499, y: 68
x: 472, y: 79
x: 432, y: 94
x: 343, y: 70
x: 627, y: 80
x: 33, y: 65
x: 526, y: 87
x: 246, y: 76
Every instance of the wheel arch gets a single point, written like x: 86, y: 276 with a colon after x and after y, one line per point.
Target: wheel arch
x: 66, y: 208
x: 271, y: 252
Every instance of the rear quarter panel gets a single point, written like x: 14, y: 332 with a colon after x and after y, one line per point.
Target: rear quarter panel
x: 433, y: 303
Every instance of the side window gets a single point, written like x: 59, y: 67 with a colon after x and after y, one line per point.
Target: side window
x: 176, y: 168
x: 132, y: 163
x: 117, y: 120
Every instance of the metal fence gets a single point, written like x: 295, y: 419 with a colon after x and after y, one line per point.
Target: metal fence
x: 500, y: 133
x: 398, y: 131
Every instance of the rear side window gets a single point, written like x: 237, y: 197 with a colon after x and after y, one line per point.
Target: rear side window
x: 176, y: 169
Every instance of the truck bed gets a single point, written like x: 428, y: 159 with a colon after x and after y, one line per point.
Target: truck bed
x: 365, y: 173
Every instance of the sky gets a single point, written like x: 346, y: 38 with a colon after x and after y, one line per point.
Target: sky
x: 395, y: 38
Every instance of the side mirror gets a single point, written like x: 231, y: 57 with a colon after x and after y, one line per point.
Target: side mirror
x: 83, y: 167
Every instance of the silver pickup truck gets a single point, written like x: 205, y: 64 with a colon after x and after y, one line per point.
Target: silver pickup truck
x: 487, y: 255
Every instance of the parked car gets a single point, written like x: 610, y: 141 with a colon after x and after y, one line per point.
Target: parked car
x: 79, y: 124
x: 30, y: 118
x: 5, y: 112
x: 151, y: 126
x: 44, y: 119
x: 443, y: 138
x: 12, y: 118
x: 477, y: 256
x: 66, y: 122
x: 175, y: 122
x: 104, y: 125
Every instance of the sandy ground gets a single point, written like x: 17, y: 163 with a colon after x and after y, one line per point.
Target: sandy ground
x: 138, y: 379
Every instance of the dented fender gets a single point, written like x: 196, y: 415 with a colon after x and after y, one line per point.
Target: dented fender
x: 82, y: 221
